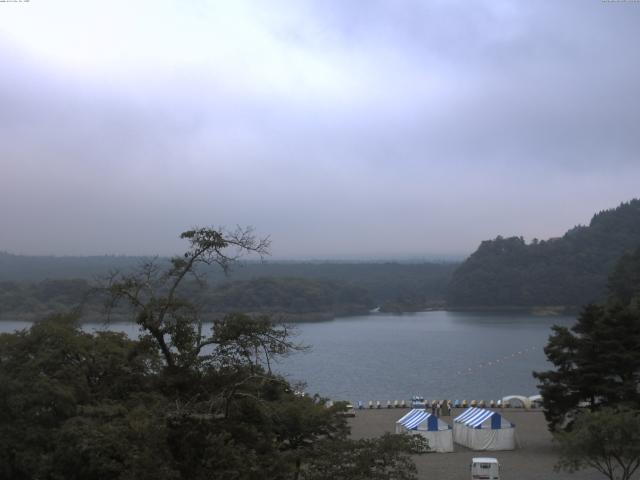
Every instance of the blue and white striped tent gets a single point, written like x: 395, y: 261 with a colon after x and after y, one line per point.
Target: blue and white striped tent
x: 419, y: 422
x: 483, y: 429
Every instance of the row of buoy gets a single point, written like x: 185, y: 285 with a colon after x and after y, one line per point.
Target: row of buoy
x: 436, y: 404
x: 495, y: 362
x: 481, y: 404
x: 377, y: 404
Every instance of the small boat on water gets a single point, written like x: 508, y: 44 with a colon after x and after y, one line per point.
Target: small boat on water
x: 417, y: 401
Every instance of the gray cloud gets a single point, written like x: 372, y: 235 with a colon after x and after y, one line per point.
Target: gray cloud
x: 340, y: 128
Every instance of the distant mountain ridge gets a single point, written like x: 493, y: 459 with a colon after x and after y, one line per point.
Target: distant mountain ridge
x: 27, y: 268
x: 568, y: 271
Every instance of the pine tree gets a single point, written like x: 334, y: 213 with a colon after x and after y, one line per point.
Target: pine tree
x: 597, y: 361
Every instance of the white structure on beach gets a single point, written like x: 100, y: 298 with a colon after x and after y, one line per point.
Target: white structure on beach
x: 533, y: 401
x: 482, y: 429
x: 419, y: 422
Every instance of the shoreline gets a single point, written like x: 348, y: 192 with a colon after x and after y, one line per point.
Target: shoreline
x: 536, y: 310
x: 318, y: 317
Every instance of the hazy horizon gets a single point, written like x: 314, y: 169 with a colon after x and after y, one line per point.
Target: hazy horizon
x: 338, y: 258
x: 380, y: 258
x: 394, y: 130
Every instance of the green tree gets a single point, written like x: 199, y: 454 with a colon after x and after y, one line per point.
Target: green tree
x: 101, y: 406
x: 624, y: 283
x: 607, y: 440
x: 58, y: 384
x: 597, y: 361
x: 154, y: 295
x: 381, y: 458
x: 301, y: 422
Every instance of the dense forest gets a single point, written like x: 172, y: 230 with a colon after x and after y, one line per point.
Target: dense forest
x: 287, y: 299
x: 291, y: 291
x: 567, y: 271
x: 421, y: 283
x: 31, y: 269
x: 294, y: 296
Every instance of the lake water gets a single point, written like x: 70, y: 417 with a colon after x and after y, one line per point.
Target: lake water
x: 456, y: 355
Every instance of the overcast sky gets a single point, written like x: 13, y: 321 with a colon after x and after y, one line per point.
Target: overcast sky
x: 340, y: 128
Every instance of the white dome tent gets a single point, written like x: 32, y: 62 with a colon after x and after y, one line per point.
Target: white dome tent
x: 437, y: 432
x: 518, y: 401
x: 482, y: 429
x: 533, y: 401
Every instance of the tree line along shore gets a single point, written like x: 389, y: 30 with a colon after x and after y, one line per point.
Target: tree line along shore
x: 546, y: 277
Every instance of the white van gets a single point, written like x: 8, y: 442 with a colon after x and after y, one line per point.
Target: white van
x: 485, y: 468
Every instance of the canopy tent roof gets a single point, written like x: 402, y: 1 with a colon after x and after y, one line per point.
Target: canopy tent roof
x: 483, y: 429
x: 439, y: 434
x: 418, y: 418
x: 475, y: 417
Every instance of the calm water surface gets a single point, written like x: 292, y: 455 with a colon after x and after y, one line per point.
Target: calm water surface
x: 457, y: 355
x: 436, y: 354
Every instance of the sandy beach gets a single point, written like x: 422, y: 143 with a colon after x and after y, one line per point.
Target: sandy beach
x: 533, y: 460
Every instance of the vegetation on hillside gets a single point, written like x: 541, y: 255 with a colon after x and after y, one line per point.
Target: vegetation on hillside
x: 293, y: 296
x: 568, y: 271
x: 34, y: 269
x: 288, y: 299
x: 36, y: 300
x: 292, y: 291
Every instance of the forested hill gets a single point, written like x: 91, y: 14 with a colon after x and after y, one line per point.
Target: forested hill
x: 289, y: 298
x: 401, y: 286
x: 35, y: 286
x: 567, y: 271
x: 26, y: 268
